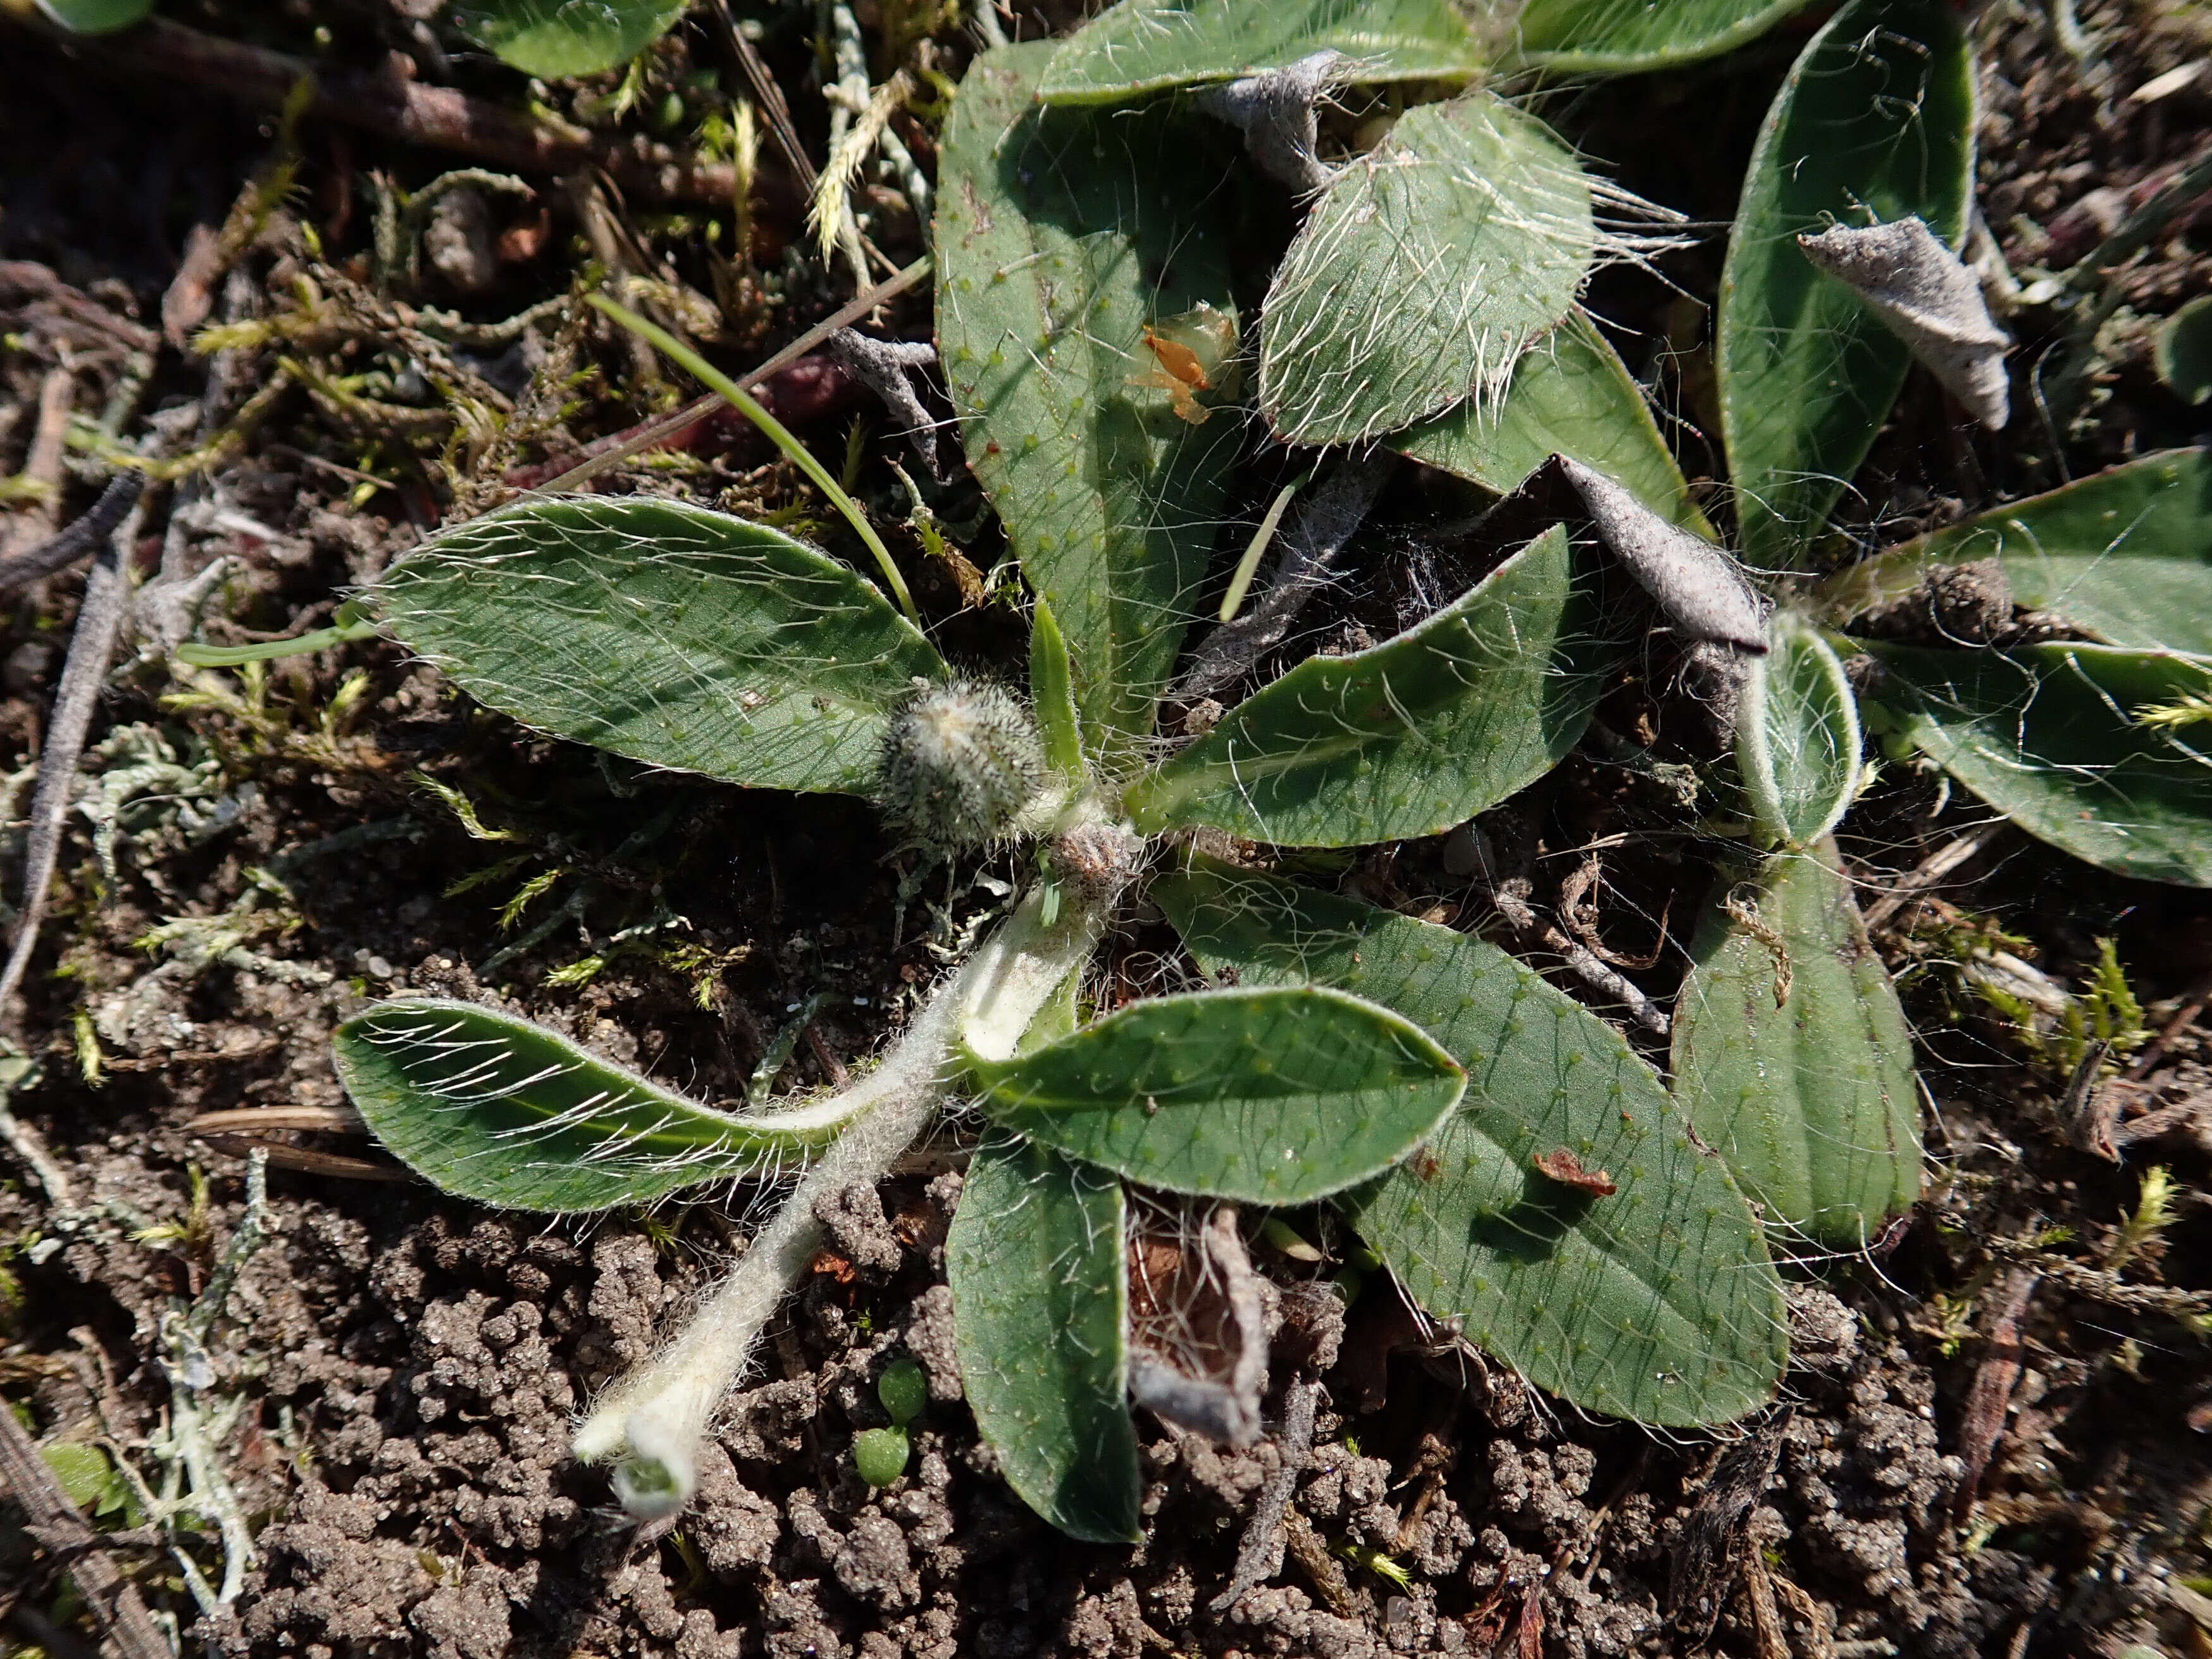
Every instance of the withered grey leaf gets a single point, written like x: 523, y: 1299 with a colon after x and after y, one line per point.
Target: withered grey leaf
x: 1275, y: 112
x: 1695, y: 583
x: 885, y: 367
x: 1931, y: 300
x: 1205, y: 1306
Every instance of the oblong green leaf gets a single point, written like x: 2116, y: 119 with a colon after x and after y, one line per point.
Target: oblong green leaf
x: 1658, y: 1302
x: 678, y: 636
x: 2125, y: 556
x: 1060, y: 235
x: 1411, y: 737
x: 1875, y: 120
x: 1148, y: 46
x: 1040, y: 1305
x: 2093, y: 749
x: 1797, y: 737
x: 1571, y: 396
x: 1271, y: 1096
x: 96, y: 16
x: 496, y: 1108
x: 1810, y: 1098
x: 2183, y: 351
x: 1620, y: 37
x: 1424, y: 272
x: 556, y: 38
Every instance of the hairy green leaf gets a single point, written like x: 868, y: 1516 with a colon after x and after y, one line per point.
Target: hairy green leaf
x: 1571, y: 396
x: 1061, y: 235
x: 1797, y: 738
x: 1619, y: 37
x: 1809, y: 1095
x: 1655, y: 1302
x: 1148, y: 46
x: 2105, y: 753
x: 675, y: 635
x: 1410, y: 737
x: 1272, y: 1096
x: 96, y: 16
x: 495, y: 1108
x: 1040, y: 1305
x: 556, y: 38
x: 1875, y: 123
x: 2125, y: 556
x: 1424, y: 272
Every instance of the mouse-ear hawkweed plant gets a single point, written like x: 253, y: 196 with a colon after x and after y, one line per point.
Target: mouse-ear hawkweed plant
x: 1518, y: 1168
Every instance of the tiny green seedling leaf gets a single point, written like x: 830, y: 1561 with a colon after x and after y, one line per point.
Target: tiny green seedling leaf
x: 1423, y: 273
x: 678, y: 636
x: 1622, y: 37
x: 96, y: 16
x: 506, y: 1112
x: 903, y: 1388
x: 2105, y: 753
x: 879, y: 1456
x: 1572, y: 396
x: 1409, y: 737
x: 1797, y: 738
x: 553, y: 40
x: 2125, y: 556
x: 1791, y: 1054
x: 1061, y: 235
x: 1271, y: 1096
x: 1657, y: 1301
x: 1041, y: 1311
x: 1875, y: 122
x: 1149, y: 45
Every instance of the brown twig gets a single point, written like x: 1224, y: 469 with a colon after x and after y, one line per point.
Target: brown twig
x: 393, y: 106
x: 26, y: 282
x: 85, y: 535
x: 329, y: 1120
x: 766, y: 92
x: 56, y: 1525
x: 43, y: 465
x: 99, y: 620
x: 1981, y: 1424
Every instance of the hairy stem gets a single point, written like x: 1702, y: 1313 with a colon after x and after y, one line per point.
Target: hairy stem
x: 654, y: 1419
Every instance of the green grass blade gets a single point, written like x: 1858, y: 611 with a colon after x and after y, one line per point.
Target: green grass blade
x: 2125, y: 556
x: 553, y: 39
x: 1657, y: 1303
x: 1812, y: 1100
x: 1423, y: 273
x: 1149, y: 45
x: 1875, y: 122
x: 493, y: 1107
x: 1571, y: 396
x: 1409, y: 737
x: 1797, y: 738
x: 776, y: 433
x: 1622, y: 37
x: 1271, y: 1096
x: 2078, y: 744
x: 678, y: 636
x: 1040, y: 1304
x: 1060, y: 235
